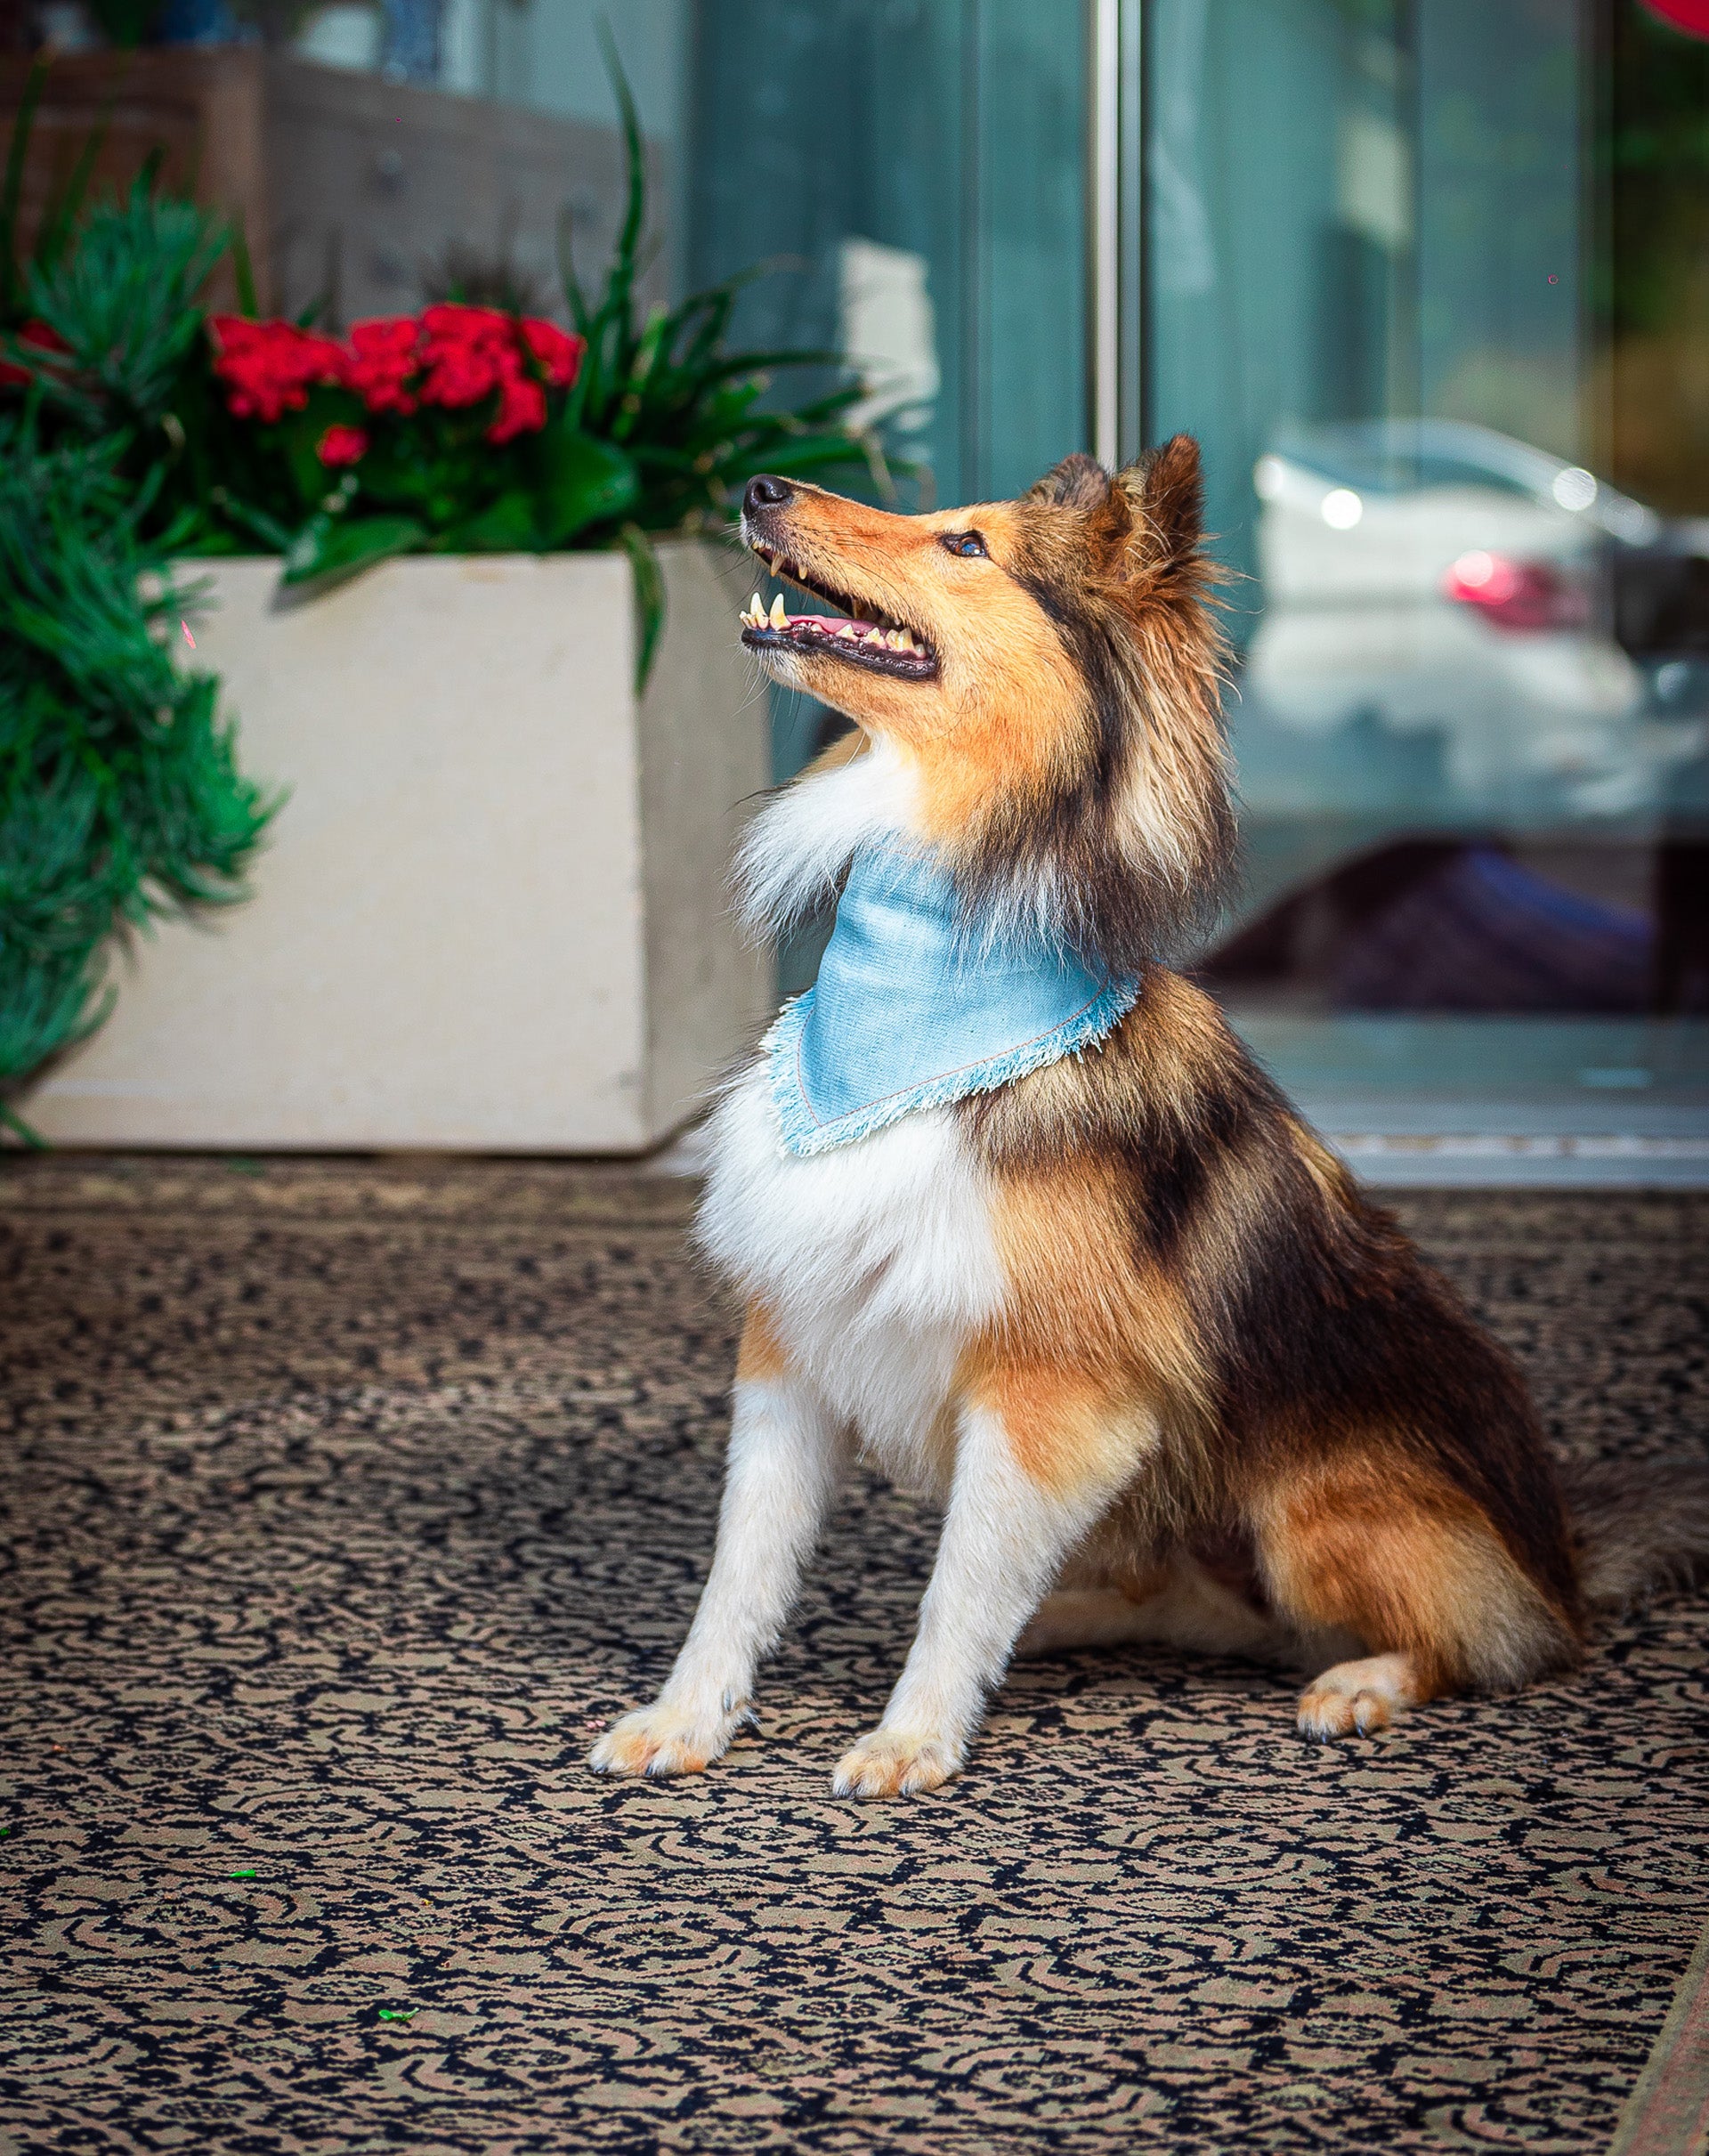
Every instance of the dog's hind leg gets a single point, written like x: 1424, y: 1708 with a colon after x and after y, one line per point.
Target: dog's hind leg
x: 1037, y: 1461
x: 1416, y: 1571
x: 786, y: 1455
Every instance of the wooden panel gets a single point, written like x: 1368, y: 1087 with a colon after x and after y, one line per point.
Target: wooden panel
x: 201, y: 108
x: 348, y: 187
x: 371, y: 181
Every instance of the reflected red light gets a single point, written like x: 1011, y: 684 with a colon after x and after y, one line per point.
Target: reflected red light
x: 1691, y: 16
x: 1518, y: 596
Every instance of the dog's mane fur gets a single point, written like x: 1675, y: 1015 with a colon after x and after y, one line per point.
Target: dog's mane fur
x: 1123, y: 847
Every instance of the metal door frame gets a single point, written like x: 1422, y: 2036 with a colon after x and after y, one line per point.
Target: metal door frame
x: 1114, y: 229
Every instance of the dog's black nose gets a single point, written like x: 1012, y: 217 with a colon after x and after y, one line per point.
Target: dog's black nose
x: 766, y: 492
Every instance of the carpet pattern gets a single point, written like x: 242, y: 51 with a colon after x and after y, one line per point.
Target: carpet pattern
x: 345, y: 1503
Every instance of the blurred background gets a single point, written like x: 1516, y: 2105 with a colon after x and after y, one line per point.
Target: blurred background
x: 1429, y: 282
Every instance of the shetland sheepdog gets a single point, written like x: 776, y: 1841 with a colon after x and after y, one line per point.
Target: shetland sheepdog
x: 1133, y: 1325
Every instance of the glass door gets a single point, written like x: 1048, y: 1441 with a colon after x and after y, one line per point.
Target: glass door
x: 914, y: 170
x: 1395, y: 281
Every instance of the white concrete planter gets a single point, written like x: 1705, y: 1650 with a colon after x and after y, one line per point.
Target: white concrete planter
x: 491, y: 914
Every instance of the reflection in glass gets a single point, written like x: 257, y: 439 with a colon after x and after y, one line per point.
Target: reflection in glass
x: 1471, y: 719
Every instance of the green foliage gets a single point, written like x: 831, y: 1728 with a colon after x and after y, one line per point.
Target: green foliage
x: 119, y: 796
x: 1657, y: 150
x: 438, y: 486
x: 686, y: 411
x: 123, y: 302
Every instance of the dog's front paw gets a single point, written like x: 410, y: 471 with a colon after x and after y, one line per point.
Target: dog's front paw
x: 892, y: 1762
x: 661, y: 1741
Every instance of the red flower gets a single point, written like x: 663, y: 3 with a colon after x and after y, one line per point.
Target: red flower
x: 451, y: 356
x: 521, y: 410
x: 269, y: 367
x: 386, y: 356
x: 453, y: 323
x: 341, y: 445
x: 468, y: 352
x: 43, y: 339
x: 471, y: 351
x: 558, y: 353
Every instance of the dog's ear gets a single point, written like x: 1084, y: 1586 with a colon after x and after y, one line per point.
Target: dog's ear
x: 1165, y: 490
x: 1078, y: 483
x: 1105, y: 517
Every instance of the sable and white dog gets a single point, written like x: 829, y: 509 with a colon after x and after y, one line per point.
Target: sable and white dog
x: 1171, y: 1377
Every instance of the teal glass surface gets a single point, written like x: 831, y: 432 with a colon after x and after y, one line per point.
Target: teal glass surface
x: 1470, y: 701
x: 935, y: 143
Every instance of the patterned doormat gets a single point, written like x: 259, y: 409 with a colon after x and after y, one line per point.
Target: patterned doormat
x: 345, y: 1502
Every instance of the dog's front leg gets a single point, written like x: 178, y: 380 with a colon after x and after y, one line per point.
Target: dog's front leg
x: 1014, y: 1515
x: 785, y: 1461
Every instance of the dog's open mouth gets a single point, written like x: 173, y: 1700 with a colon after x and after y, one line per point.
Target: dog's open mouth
x: 863, y: 637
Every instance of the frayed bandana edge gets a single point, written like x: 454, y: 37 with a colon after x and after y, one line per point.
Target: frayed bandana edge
x: 802, y: 1133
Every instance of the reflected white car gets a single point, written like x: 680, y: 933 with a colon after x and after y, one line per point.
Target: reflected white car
x: 1437, y: 577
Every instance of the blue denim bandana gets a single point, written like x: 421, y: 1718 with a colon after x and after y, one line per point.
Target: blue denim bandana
x: 906, y: 1014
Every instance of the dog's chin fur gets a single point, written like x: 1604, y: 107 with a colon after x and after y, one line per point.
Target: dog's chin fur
x: 1169, y: 1375
x: 793, y: 855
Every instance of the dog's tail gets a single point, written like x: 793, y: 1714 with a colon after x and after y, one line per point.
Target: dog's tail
x: 1639, y: 1528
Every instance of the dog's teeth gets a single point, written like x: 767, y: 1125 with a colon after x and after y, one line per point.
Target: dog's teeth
x: 847, y: 629
x: 905, y: 641
x: 778, y: 618
x: 756, y: 607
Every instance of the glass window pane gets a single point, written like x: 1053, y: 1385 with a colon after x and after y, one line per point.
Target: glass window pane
x: 1471, y: 719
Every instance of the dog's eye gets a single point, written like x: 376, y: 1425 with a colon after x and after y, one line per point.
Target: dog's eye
x: 965, y: 542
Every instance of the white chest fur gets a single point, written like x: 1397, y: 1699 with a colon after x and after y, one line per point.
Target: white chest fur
x: 876, y: 1261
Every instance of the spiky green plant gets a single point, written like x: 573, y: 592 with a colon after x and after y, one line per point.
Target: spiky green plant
x: 123, y: 303
x: 687, y: 412
x: 120, y: 800
x: 666, y: 388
